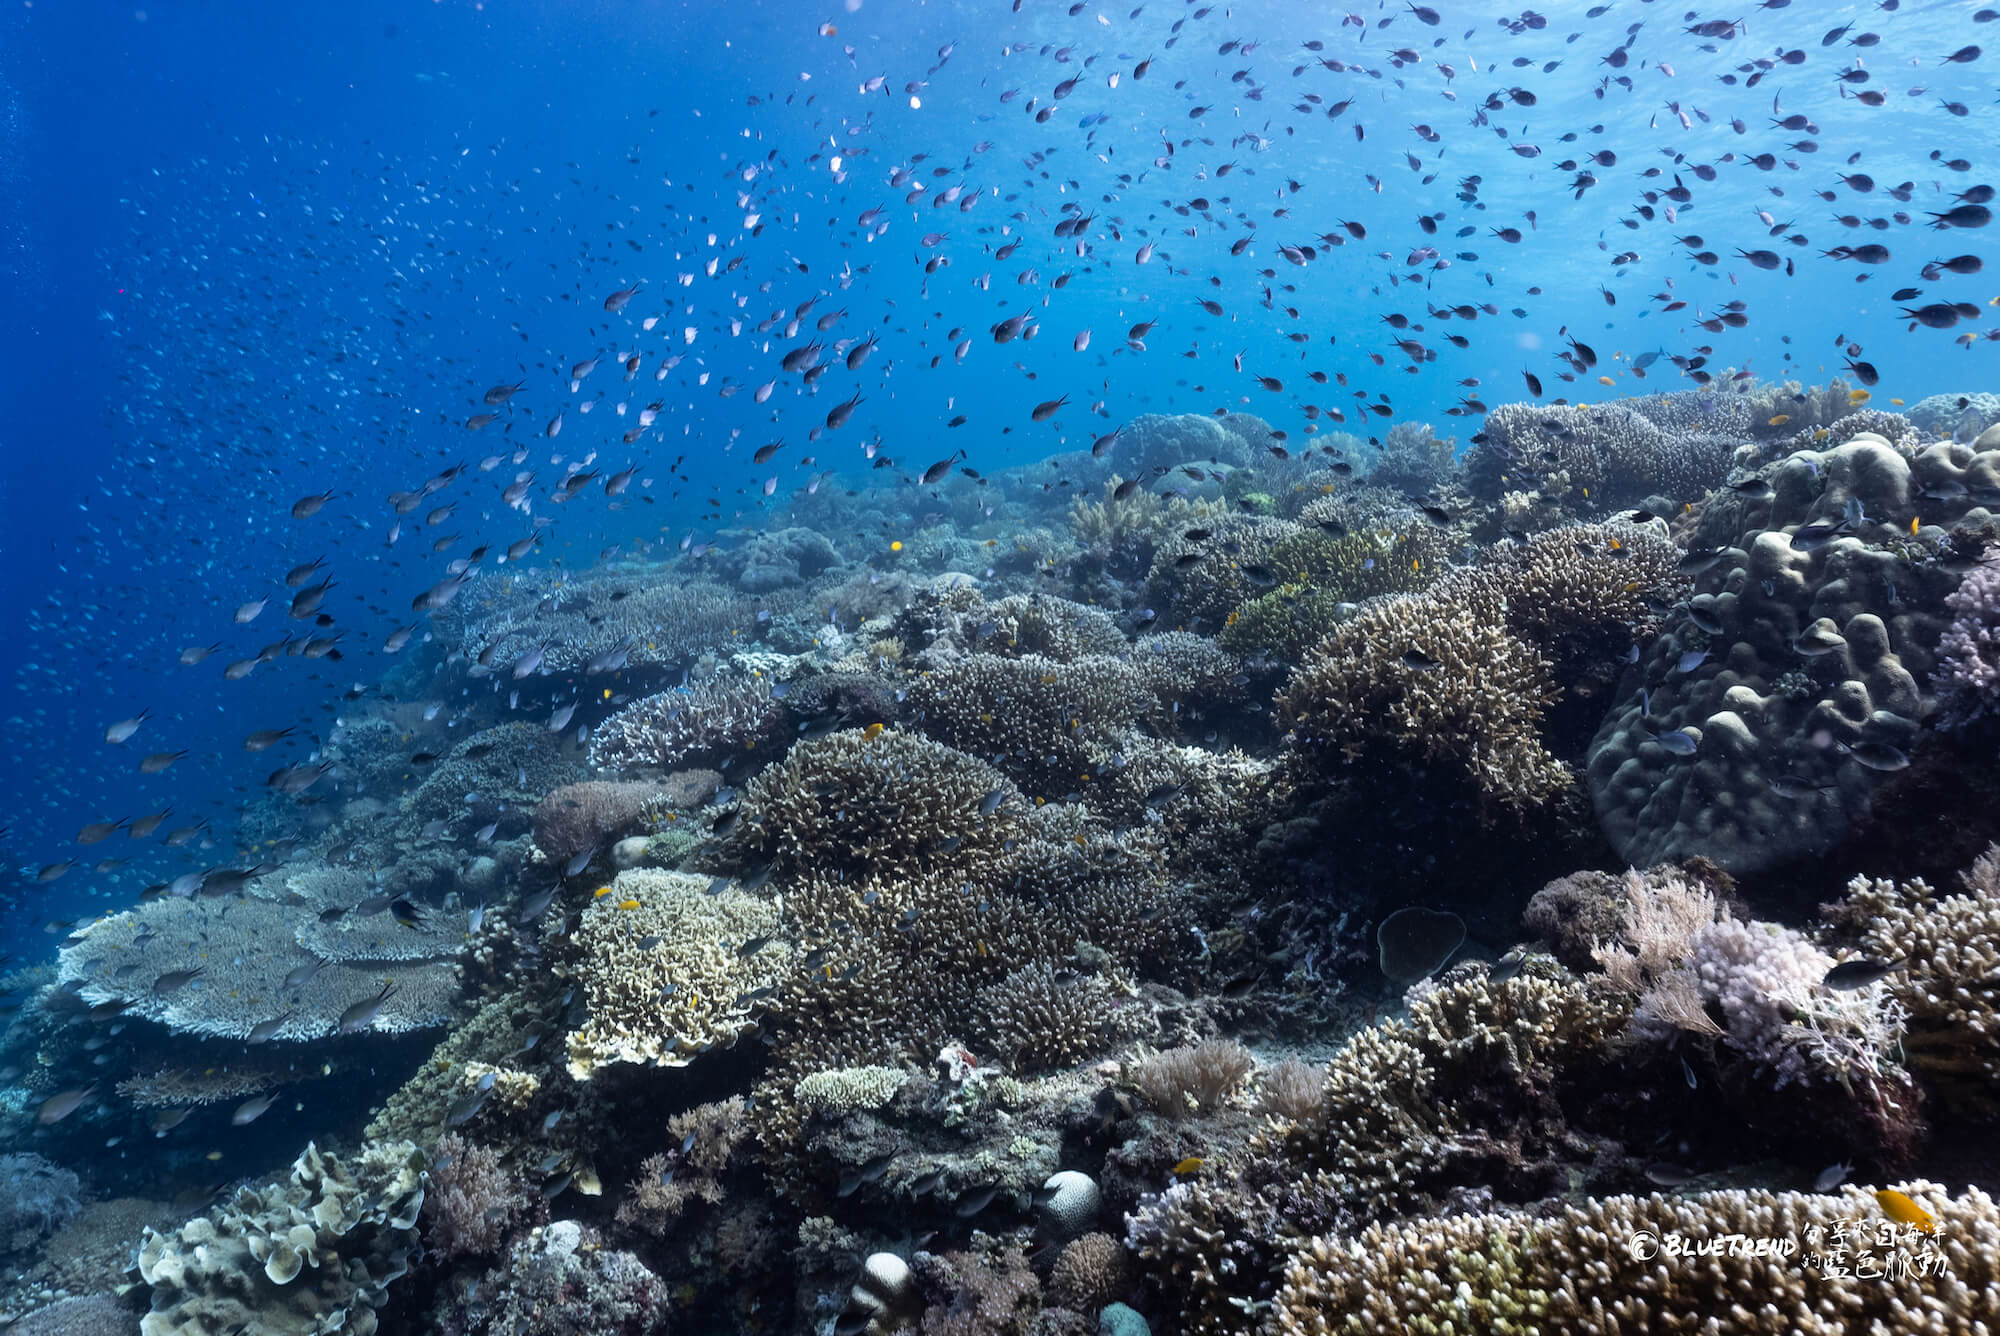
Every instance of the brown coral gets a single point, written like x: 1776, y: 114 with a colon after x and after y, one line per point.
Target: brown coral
x: 1427, y: 682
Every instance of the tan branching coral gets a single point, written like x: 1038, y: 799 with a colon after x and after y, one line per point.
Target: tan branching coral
x: 1949, y: 982
x: 1038, y: 1017
x: 1192, y: 1079
x: 882, y: 802
x: 1602, y: 1267
x: 1044, y: 723
x: 1419, y: 680
x: 663, y: 966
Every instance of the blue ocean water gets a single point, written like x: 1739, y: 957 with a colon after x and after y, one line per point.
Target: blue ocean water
x: 261, y: 252
x: 255, y: 254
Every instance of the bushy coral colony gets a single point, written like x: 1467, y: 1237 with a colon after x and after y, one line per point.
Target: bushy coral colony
x: 1449, y: 891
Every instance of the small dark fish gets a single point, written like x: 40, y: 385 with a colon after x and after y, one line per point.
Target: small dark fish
x: 972, y: 1203
x: 753, y: 946
x: 250, y: 1110
x: 1418, y: 661
x: 465, y: 1108
x: 363, y: 1013
x: 1851, y: 975
x: 1878, y: 756
x: 1506, y: 967
x: 871, y: 1172
x: 727, y: 822
x: 58, y: 1107
x: 173, y: 981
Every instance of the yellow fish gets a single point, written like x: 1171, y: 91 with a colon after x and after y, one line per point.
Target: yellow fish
x: 896, y: 546
x: 1914, y: 522
x: 1897, y: 402
x: 873, y: 731
x: 1779, y: 420
x: 628, y: 904
x: 1193, y: 1163
x: 1903, y: 1211
x: 600, y: 893
x: 1606, y: 380
x: 1858, y: 396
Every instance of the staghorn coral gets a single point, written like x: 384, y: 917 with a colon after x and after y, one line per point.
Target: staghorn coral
x: 1410, y: 1108
x: 1582, y: 594
x: 1183, y: 671
x: 1109, y: 889
x: 884, y: 803
x: 1036, y: 1018
x: 689, y: 727
x: 1417, y: 680
x: 509, y: 767
x: 1200, y: 579
x: 1586, y: 459
x: 842, y: 1089
x: 315, y: 1254
x: 1195, y: 1078
x: 416, y: 1112
x: 1120, y: 538
x: 1950, y: 982
x: 663, y: 965
x: 1600, y: 1268
x: 1044, y: 723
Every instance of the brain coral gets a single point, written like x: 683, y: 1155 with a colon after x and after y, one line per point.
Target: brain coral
x: 1599, y: 1268
x: 886, y: 804
x: 1822, y: 639
x: 309, y: 1256
x: 1417, y: 681
x: 664, y: 965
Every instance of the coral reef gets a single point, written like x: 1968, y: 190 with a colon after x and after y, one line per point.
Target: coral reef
x: 1043, y: 722
x: 1419, y: 682
x: 37, y: 1198
x: 678, y: 729
x: 314, y: 1254
x: 1603, y: 1267
x: 1948, y: 975
x: 285, y: 967
x: 664, y: 964
x: 1706, y: 751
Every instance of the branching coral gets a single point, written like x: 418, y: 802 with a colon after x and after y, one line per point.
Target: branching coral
x: 574, y: 616
x: 1192, y: 1079
x: 1967, y: 678
x: 473, y: 1203
x: 884, y: 803
x: 1602, y: 1267
x: 1415, y: 680
x: 1044, y: 723
x: 1037, y: 1017
x: 663, y: 966
x: 1200, y: 579
x: 670, y: 1180
x: 1949, y: 980
x: 700, y: 726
